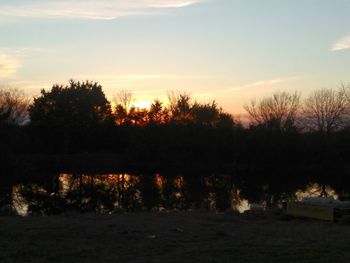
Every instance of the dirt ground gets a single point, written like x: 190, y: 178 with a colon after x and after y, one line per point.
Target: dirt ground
x: 171, y: 237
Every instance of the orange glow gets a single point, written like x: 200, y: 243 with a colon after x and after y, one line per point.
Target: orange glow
x: 142, y: 104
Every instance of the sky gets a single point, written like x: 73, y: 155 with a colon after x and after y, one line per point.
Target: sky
x: 228, y: 50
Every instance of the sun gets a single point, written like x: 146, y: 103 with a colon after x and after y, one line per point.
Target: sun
x: 142, y: 104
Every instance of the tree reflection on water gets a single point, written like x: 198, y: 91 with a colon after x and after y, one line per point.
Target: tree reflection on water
x: 110, y: 193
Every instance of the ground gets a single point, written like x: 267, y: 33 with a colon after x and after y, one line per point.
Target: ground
x: 171, y: 237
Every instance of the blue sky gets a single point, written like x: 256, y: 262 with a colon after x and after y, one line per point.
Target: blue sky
x: 228, y: 50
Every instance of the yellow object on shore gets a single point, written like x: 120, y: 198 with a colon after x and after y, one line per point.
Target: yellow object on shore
x: 311, y: 211
x: 324, y: 208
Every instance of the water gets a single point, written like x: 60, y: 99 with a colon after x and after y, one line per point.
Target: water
x: 110, y: 193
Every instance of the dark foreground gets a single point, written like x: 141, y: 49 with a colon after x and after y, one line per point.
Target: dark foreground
x: 171, y: 237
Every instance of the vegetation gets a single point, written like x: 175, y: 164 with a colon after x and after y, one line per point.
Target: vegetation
x: 13, y: 106
x: 166, y: 237
x: 326, y: 110
x: 278, y: 112
x: 79, y: 104
x: 77, y: 118
x: 74, y: 127
x: 83, y: 104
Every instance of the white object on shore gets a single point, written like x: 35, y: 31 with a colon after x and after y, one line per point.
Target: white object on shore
x: 325, y: 201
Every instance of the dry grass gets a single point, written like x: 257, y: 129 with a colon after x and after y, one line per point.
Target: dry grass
x: 171, y: 237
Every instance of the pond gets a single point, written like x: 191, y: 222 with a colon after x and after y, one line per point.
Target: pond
x: 110, y: 193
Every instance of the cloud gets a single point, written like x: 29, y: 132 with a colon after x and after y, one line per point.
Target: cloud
x: 138, y: 76
x: 341, y: 44
x: 87, y: 9
x: 174, y: 3
x: 8, y: 65
x: 262, y: 83
x: 32, y: 87
x: 129, y: 81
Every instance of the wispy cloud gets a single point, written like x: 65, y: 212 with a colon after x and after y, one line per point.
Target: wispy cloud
x: 113, y: 82
x: 341, y: 44
x: 138, y: 76
x: 8, y: 65
x: 32, y: 87
x: 87, y: 9
x: 262, y: 83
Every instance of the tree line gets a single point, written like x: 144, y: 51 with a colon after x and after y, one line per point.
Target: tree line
x: 85, y: 104
x: 284, y: 131
x: 324, y: 111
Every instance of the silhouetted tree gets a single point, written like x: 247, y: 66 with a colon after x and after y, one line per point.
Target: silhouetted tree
x: 78, y: 104
x: 138, y: 116
x: 180, y: 107
x: 124, y: 98
x: 157, y: 113
x: 226, y: 120
x: 13, y: 105
x: 66, y: 117
x: 345, y: 89
x: 126, y: 113
x: 276, y: 112
x: 123, y: 105
x: 325, y: 110
x: 205, y: 114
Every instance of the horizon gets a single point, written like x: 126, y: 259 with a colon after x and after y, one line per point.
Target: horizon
x: 230, y: 51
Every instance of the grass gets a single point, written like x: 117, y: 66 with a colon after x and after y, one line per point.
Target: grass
x: 171, y: 237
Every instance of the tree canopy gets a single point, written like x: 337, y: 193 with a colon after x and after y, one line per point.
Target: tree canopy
x: 277, y: 112
x: 13, y: 106
x: 325, y: 110
x: 76, y: 104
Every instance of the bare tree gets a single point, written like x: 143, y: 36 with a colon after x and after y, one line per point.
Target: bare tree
x: 279, y: 110
x: 124, y: 98
x: 122, y: 106
x: 13, y: 105
x: 346, y: 91
x: 325, y: 110
x: 345, y: 88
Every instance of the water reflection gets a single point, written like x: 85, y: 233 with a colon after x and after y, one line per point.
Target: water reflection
x: 316, y: 190
x: 109, y: 193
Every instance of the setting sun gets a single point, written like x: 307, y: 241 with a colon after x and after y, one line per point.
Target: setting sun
x: 142, y: 104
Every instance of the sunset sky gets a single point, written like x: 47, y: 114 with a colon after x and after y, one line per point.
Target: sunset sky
x: 228, y: 50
